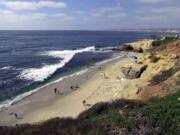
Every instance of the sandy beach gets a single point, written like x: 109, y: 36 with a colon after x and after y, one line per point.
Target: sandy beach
x: 45, y: 104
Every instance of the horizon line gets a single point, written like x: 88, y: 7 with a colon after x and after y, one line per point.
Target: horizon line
x: 125, y: 29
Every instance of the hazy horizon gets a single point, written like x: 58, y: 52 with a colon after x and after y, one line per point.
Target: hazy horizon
x: 130, y: 29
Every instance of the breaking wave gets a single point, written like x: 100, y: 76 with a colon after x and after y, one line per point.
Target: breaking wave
x: 40, y: 74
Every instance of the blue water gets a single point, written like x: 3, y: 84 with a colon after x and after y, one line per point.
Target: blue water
x: 29, y: 59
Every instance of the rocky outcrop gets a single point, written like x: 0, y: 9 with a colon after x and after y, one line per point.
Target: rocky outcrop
x: 134, y: 71
x: 129, y: 48
x: 123, y: 48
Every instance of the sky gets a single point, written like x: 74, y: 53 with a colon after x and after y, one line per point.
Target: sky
x: 88, y: 14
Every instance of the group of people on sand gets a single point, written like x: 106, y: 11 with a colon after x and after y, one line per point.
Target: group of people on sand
x: 58, y: 92
x: 16, y: 116
x: 74, y: 87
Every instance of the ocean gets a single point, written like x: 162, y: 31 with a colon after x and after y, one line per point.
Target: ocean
x: 32, y: 59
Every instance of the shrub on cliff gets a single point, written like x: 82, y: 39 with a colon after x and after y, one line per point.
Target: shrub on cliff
x: 121, y: 117
x: 164, y: 40
x: 162, y: 76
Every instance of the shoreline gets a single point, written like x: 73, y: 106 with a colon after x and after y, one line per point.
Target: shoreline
x: 9, y: 102
x: 31, y: 102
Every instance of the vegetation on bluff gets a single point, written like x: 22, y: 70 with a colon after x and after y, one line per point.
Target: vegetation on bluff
x: 160, y: 116
x: 164, y: 40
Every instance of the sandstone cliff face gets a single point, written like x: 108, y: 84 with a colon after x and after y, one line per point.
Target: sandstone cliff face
x: 133, y: 71
x: 163, y: 76
x: 144, y: 44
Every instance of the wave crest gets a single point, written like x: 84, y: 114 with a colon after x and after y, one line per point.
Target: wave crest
x: 40, y: 74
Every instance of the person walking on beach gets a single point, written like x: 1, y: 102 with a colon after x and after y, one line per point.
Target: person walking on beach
x: 84, y: 102
x: 55, y: 90
x: 16, y: 115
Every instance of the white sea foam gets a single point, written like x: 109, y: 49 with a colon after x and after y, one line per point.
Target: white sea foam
x: 8, y: 103
x: 40, y: 74
x: 6, y: 68
x: 109, y: 48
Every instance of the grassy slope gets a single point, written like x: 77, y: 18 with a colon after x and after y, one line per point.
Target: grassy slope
x: 157, y: 117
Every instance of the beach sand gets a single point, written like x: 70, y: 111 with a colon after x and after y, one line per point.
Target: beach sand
x: 100, y: 85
